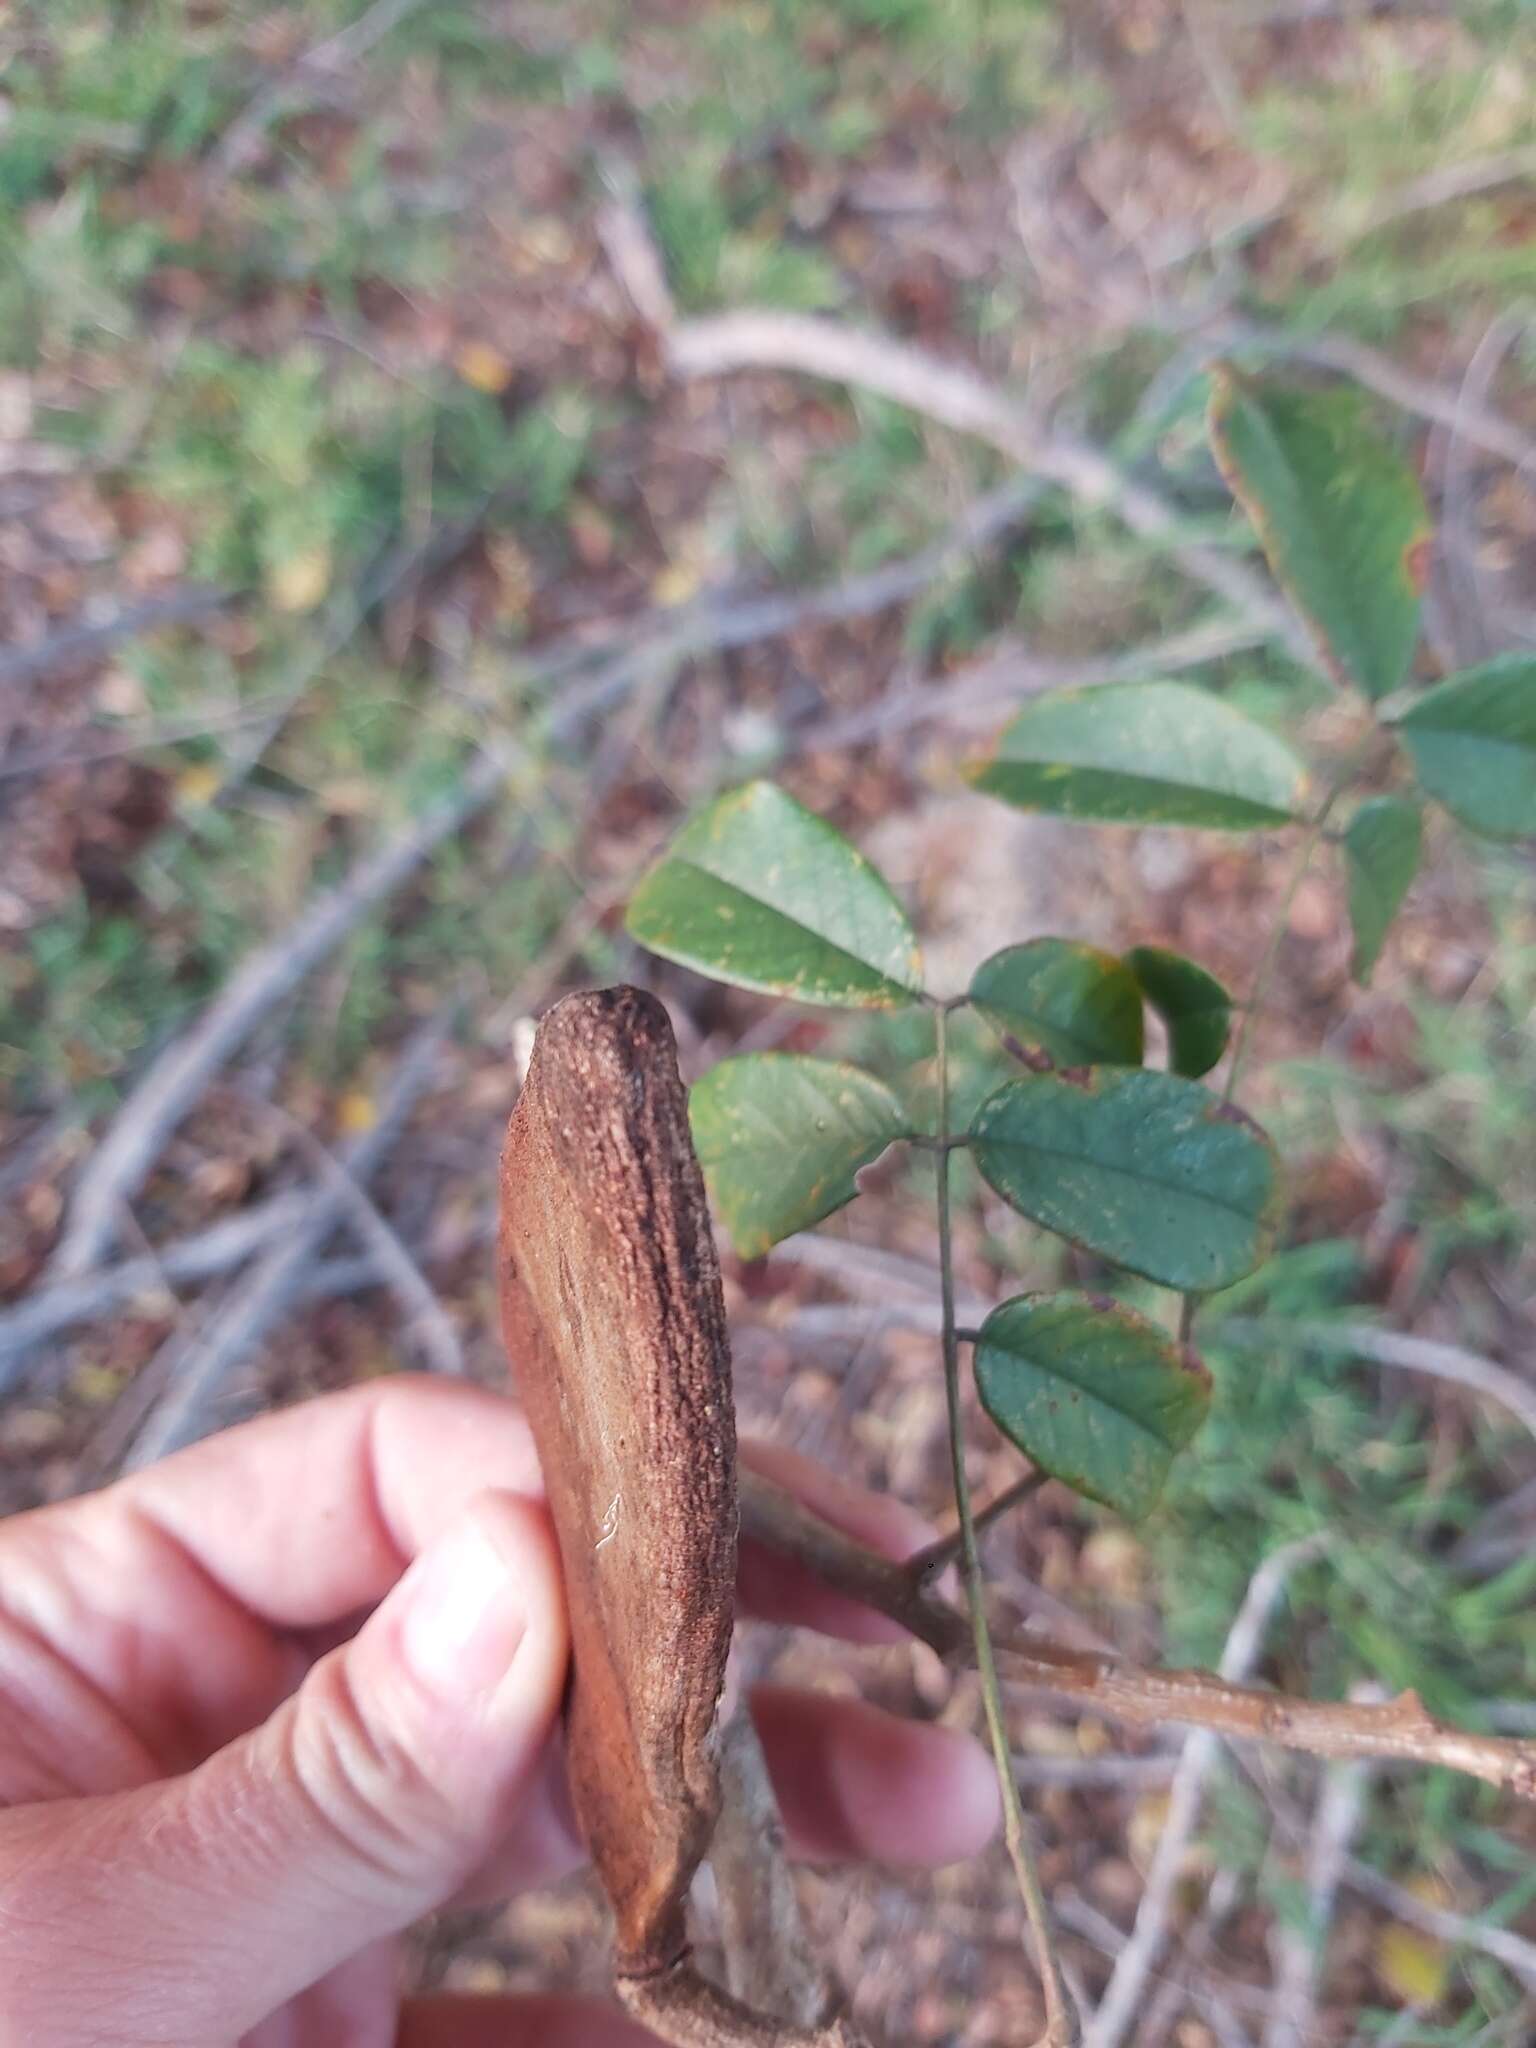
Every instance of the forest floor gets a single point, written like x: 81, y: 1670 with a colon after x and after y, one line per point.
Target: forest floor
x: 344, y: 486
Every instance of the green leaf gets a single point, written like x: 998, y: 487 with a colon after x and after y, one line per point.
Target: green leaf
x: 1191, y: 1002
x: 1338, y: 512
x: 761, y: 892
x: 1080, y: 1005
x: 1143, y: 1168
x: 1143, y: 754
x: 1473, y: 742
x: 781, y: 1138
x: 1381, y: 857
x: 1092, y: 1392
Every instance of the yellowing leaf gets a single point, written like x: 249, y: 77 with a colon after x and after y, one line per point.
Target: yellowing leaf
x: 198, y: 783
x: 1412, y: 1965
x: 94, y: 1385
x: 298, y: 583
x: 356, y: 1112
x: 483, y: 368
x: 678, y: 582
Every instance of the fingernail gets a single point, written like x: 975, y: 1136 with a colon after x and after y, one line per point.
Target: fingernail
x: 463, y: 1619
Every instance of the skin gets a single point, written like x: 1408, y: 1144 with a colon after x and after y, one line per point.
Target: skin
x: 264, y: 1705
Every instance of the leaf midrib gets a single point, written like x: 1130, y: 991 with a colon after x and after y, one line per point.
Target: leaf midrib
x: 761, y: 903
x: 1130, y: 1173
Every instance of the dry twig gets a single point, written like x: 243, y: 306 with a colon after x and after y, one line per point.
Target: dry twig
x: 426, y: 1320
x: 1300, y: 1951
x: 1139, y: 1958
x: 770, y: 1964
x: 1398, y: 1352
x: 174, y: 1080
x: 82, y: 639
x: 1398, y: 1730
x: 1512, y: 1950
x: 196, y: 1368
x: 959, y: 399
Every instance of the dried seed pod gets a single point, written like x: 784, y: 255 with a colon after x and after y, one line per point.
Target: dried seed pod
x: 615, y: 1324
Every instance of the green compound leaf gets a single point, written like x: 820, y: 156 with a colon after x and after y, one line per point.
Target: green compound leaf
x: 1191, y: 1002
x: 1473, y: 743
x: 781, y: 1138
x: 1081, y: 1006
x: 1143, y: 754
x: 1381, y: 856
x: 1093, y: 1393
x: 1339, y: 514
x: 1146, y: 1169
x: 760, y: 892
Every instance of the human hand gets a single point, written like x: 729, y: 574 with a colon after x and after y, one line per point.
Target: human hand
x: 264, y: 1705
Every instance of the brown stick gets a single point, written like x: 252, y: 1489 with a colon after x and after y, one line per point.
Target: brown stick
x: 959, y: 399
x: 1399, y: 1730
x: 770, y: 1964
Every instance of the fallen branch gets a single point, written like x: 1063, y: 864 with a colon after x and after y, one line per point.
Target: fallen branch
x: 177, y: 1077
x: 1398, y: 1730
x: 195, y: 1367
x: 207, y: 1255
x: 959, y: 399
x: 174, y: 1080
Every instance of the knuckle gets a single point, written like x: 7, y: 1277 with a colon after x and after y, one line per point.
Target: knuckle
x: 352, y: 1760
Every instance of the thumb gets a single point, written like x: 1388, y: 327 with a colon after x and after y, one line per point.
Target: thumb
x: 365, y: 1801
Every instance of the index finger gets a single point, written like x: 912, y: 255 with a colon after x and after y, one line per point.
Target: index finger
x: 174, y: 1591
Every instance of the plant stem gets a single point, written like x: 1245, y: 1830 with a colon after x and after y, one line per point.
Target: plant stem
x: 928, y: 1562
x: 1062, y: 2029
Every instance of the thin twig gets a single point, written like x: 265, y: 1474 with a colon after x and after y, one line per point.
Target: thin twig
x: 1300, y: 1951
x: 1446, y: 184
x: 298, y: 83
x: 396, y: 570
x: 1139, y: 1958
x: 202, y: 1366
x: 927, y: 1564
x: 1439, y: 403
x: 83, y: 639
x: 1061, y: 2028
x: 1205, y: 1989
x: 970, y: 693
x: 138, y: 737
x: 1449, y: 455
x: 427, y: 1320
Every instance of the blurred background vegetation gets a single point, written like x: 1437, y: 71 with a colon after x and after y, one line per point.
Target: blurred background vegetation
x: 343, y: 485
